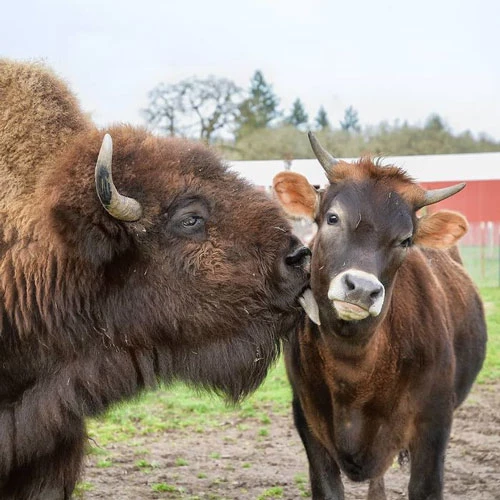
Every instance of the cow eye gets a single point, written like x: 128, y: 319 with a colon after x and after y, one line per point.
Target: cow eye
x: 406, y: 243
x: 332, y: 219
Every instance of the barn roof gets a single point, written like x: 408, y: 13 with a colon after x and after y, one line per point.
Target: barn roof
x: 424, y: 168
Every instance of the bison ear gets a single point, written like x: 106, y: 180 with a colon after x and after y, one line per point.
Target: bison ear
x: 441, y: 229
x: 297, y: 197
x: 97, y: 243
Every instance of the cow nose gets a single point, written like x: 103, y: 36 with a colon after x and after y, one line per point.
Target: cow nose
x: 362, y: 288
x: 298, y: 256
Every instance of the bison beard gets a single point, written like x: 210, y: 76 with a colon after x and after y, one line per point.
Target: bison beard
x: 45, y: 428
x: 191, y: 274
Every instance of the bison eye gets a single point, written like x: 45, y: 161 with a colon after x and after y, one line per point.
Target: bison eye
x: 192, y: 225
x: 406, y: 243
x: 191, y: 221
x: 188, y: 218
x: 332, y: 219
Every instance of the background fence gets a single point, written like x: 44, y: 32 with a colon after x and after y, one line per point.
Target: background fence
x: 480, y: 250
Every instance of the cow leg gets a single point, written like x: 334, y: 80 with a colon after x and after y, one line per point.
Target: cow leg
x: 427, y: 454
x: 324, y: 473
x: 376, y: 489
x: 49, y: 477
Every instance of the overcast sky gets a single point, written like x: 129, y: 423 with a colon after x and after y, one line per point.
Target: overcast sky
x: 389, y: 59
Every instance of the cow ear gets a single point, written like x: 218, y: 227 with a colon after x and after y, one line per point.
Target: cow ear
x: 441, y: 229
x: 297, y: 197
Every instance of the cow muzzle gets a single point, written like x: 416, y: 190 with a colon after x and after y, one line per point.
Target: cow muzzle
x: 356, y: 295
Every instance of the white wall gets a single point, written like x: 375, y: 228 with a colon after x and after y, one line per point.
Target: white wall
x: 428, y: 168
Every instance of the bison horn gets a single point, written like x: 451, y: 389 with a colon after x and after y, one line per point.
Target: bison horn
x: 119, y: 206
x: 324, y: 157
x: 435, y: 195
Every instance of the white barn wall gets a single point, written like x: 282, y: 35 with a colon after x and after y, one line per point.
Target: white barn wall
x: 423, y: 168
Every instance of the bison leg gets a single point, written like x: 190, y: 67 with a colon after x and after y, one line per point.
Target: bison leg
x: 49, y: 477
x: 427, y: 453
x: 376, y: 489
x: 324, y: 473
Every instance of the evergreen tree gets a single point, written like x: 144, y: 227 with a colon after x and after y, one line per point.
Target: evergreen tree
x: 260, y: 108
x: 298, y: 115
x: 351, y: 120
x: 435, y: 123
x: 321, y: 119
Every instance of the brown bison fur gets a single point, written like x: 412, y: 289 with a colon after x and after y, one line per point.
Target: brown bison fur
x: 93, y: 309
x: 402, y: 331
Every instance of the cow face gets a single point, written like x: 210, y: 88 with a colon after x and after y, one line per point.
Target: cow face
x: 367, y: 224
x: 186, y: 256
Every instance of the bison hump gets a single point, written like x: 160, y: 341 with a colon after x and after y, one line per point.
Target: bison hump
x: 38, y: 116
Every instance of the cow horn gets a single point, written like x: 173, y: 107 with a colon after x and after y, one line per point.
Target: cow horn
x: 324, y: 157
x: 119, y: 206
x: 435, y: 195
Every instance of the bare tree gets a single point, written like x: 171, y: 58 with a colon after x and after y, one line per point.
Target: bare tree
x: 194, y: 107
x: 165, y: 106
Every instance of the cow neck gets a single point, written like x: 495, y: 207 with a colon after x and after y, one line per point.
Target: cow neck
x: 354, y: 364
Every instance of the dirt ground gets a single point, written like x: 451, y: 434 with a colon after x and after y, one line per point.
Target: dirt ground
x: 239, y: 460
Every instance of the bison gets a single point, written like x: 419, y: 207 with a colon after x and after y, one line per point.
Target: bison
x: 183, y: 271
x: 396, y: 331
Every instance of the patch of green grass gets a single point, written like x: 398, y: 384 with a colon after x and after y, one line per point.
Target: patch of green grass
x: 181, y: 462
x: 265, y: 419
x: 166, y: 487
x: 263, y: 432
x: 141, y: 451
x: 274, y: 492
x: 104, y: 463
x: 491, y: 367
x: 97, y: 450
x: 81, y: 488
x: 146, y: 466
x: 246, y: 465
x: 302, y: 482
x: 300, y: 479
x: 201, y: 475
x: 218, y: 480
x: 215, y: 454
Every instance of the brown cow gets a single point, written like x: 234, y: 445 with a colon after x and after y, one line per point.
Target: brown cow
x: 194, y: 275
x: 397, y: 331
